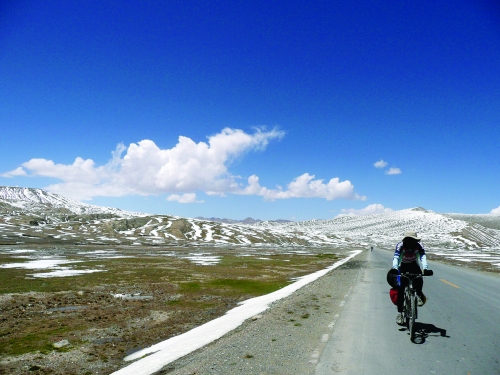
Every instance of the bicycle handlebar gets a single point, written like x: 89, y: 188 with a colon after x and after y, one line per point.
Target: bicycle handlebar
x: 411, y: 276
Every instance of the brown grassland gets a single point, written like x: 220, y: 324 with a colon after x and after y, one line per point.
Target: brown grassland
x: 167, y: 295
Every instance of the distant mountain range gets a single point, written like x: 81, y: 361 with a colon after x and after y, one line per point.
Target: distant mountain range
x: 36, y: 216
x: 248, y: 220
x: 20, y: 199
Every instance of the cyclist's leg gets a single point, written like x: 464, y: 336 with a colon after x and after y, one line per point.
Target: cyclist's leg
x: 417, y: 283
x: 400, y: 318
x: 401, y: 294
x: 405, y: 267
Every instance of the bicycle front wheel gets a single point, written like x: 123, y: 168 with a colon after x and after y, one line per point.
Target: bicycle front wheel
x: 412, y: 316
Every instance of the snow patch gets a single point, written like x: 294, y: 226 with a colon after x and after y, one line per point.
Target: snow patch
x: 204, y: 259
x: 64, y: 272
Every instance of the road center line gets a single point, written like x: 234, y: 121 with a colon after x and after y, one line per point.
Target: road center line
x: 447, y: 282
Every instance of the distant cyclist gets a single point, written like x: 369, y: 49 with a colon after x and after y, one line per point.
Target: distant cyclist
x: 409, y: 253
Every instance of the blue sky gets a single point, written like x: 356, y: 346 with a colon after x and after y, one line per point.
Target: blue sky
x: 269, y: 109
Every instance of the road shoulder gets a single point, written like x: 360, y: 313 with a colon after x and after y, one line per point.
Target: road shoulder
x: 288, y: 338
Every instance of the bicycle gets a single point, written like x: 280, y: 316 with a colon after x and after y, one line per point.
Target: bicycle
x: 410, y: 311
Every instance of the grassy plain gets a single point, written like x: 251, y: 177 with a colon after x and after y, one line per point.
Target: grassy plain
x: 164, y: 293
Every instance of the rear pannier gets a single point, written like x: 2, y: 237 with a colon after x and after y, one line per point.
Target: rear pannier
x: 393, y: 293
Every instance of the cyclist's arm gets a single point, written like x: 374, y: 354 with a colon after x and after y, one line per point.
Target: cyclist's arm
x: 397, y: 256
x: 423, y: 258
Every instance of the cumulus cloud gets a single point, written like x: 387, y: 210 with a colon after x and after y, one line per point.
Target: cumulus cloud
x: 375, y: 208
x: 380, y: 164
x: 85, y: 191
x: 80, y: 170
x: 143, y: 168
x: 393, y: 170
x: 304, y: 186
x: 496, y: 211
x: 146, y: 169
x: 15, y: 173
x: 189, y: 166
x: 184, y: 198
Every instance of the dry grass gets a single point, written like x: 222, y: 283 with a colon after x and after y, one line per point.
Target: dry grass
x: 102, y: 329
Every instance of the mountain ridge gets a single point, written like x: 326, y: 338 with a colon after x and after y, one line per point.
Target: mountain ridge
x: 32, y: 215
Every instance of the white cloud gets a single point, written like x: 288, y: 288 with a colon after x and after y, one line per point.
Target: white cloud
x: 304, y: 186
x: 80, y: 170
x: 19, y: 171
x: 380, y: 164
x: 189, y: 166
x: 393, y: 171
x: 145, y: 169
x: 496, y: 211
x: 85, y: 191
x: 184, y: 198
x: 371, y: 209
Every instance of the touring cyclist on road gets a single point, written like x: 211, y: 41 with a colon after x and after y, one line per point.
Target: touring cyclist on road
x: 409, y: 257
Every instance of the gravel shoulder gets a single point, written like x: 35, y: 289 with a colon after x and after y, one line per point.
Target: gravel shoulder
x: 288, y: 338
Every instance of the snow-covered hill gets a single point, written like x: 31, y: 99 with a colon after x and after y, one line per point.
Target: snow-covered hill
x: 33, y: 215
x: 385, y: 229
x: 486, y: 220
x: 38, y: 201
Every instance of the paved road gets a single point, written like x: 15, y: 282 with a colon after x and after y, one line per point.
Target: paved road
x: 459, y: 327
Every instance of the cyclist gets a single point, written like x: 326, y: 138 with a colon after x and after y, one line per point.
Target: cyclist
x: 409, y: 253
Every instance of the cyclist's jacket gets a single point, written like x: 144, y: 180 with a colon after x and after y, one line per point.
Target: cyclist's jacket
x: 402, y: 255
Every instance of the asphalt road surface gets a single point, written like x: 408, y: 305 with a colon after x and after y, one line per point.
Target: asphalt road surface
x: 458, y: 328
